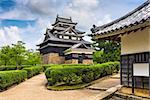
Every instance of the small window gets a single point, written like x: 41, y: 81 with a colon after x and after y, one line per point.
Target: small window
x: 79, y: 39
x: 66, y: 37
x: 60, y: 36
x: 74, y: 38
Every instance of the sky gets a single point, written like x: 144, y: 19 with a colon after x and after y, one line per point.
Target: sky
x: 27, y: 20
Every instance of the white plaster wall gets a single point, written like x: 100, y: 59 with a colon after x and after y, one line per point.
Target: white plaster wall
x: 141, y: 69
x: 80, y: 51
x: 136, y: 42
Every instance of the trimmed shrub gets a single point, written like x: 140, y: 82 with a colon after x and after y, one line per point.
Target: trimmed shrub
x: 32, y: 71
x: 46, y: 66
x: 8, y: 78
x: 5, y: 68
x: 62, y: 65
x: 76, y: 74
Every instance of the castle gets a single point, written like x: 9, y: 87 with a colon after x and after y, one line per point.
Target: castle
x: 64, y: 44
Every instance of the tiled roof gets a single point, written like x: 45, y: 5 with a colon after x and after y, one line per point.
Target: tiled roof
x: 79, y: 32
x: 137, y: 16
x: 55, y: 45
x: 78, y: 45
x: 54, y: 38
x: 61, y: 19
x: 64, y: 20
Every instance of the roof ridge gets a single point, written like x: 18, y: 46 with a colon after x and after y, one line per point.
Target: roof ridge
x: 125, y: 16
x: 64, y: 18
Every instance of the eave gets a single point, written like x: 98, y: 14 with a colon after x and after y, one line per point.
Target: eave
x: 122, y: 30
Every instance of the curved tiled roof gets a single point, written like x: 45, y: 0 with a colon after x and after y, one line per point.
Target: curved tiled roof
x: 137, y: 16
x: 54, y: 38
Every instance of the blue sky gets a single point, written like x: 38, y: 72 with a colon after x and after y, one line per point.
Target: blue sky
x: 27, y: 20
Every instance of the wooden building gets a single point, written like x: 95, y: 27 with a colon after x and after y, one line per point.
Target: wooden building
x: 61, y: 39
x: 133, y: 31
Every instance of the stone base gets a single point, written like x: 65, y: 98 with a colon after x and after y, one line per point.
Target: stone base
x: 72, y: 61
x: 52, y: 58
x: 88, y: 61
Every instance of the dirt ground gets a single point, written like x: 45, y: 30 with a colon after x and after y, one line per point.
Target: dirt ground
x: 34, y: 89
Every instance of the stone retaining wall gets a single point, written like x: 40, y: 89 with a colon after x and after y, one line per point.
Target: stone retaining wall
x: 88, y: 61
x: 52, y: 58
x: 72, y: 61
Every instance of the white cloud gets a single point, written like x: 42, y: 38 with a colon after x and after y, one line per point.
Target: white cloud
x: 105, y: 19
x: 31, y: 9
x: 9, y: 35
x: 84, y: 12
x: 85, y: 4
x: 43, y: 7
x: 18, y: 13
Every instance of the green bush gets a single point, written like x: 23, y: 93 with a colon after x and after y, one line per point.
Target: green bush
x: 6, y: 68
x: 8, y: 78
x: 32, y: 71
x: 46, y: 66
x: 76, y: 74
x: 62, y: 65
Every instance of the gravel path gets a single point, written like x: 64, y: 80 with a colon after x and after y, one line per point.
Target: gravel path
x: 34, y: 89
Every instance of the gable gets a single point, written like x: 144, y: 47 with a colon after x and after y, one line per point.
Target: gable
x: 79, y: 45
x: 70, y: 31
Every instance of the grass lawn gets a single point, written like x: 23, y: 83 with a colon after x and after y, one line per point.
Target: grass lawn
x: 71, y: 87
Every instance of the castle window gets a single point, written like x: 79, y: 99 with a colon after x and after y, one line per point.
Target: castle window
x: 79, y: 38
x: 66, y: 37
x: 60, y: 36
x: 55, y: 32
x: 74, y: 38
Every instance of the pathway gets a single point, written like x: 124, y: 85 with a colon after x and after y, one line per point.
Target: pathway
x: 106, y: 83
x: 34, y: 89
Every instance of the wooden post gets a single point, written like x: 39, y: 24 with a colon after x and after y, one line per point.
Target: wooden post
x: 132, y: 77
x: 149, y: 72
x: 121, y: 71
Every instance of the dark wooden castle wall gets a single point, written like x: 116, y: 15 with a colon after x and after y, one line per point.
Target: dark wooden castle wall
x: 127, y: 69
x: 76, y: 56
x: 51, y: 49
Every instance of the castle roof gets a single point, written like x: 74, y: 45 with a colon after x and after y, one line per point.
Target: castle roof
x: 139, y: 17
x: 63, y: 20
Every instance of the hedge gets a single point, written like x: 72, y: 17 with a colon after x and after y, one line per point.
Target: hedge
x: 6, y: 68
x: 72, y: 75
x: 8, y: 78
x: 63, y: 65
x: 32, y: 71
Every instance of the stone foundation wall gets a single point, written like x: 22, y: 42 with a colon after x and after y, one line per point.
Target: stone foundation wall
x: 88, y: 61
x: 44, y: 59
x: 72, y: 61
x: 52, y: 58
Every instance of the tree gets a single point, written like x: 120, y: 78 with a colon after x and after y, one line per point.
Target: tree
x: 5, y: 55
x: 32, y: 58
x: 106, y: 51
x: 17, y: 55
x: 18, y: 52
